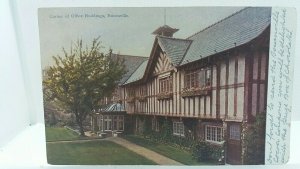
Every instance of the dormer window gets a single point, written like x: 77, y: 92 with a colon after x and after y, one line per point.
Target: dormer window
x: 197, y: 78
x: 166, y: 85
x: 165, y: 88
x: 197, y: 83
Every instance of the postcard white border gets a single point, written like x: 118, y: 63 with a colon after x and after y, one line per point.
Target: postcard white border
x: 26, y: 11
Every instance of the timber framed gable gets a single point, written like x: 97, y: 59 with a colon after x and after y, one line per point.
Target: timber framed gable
x: 163, y: 64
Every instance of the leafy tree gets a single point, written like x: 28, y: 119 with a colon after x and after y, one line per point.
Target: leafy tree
x: 80, y: 78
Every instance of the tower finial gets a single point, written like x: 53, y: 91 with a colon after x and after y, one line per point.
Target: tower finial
x: 165, y: 30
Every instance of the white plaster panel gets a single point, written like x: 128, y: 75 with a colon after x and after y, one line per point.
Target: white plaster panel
x: 182, y: 80
x: 231, y: 70
x: 197, y: 106
x: 240, y: 102
x: 162, y: 106
x: 241, y: 69
x: 207, y: 105
x: 186, y: 102
x: 230, y: 102
x: 254, y: 99
x: 214, y: 76
x: 214, y: 103
x: 263, y: 67
x: 191, y: 107
x: 166, y: 107
x: 255, y: 66
x: 223, y: 74
x: 222, y: 101
x: 202, y: 106
x: 182, y: 104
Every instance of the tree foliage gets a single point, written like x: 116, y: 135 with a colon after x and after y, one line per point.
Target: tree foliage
x: 81, y: 77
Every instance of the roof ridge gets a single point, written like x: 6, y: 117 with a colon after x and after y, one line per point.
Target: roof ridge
x: 129, y: 55
x: 235, y: 13
x: 173, y: 38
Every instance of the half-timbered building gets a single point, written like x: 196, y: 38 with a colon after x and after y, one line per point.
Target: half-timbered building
x: 210, y: 84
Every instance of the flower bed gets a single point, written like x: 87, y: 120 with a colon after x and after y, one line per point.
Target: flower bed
x: 190, y: 92
x: 142, y: 98
x: 162, y: 96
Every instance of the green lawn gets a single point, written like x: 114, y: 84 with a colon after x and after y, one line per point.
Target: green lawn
x: 93, y: 153
x: 59, y: 133
x: 174, y: 153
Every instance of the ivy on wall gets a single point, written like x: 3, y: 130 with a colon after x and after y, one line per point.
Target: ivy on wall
x: 201, y: 150
x: 254, y: 141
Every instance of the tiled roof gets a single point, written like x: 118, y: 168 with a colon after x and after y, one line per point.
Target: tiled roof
x: 114, y: 107
x: 175, y: 48
x: 235, y: 30
x: 110, y: 108
x: 138, y: 74
x: 228, y: 33
x: 131, y: 64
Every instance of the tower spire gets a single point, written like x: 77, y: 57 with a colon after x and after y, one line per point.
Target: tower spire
x: 165, y: 20
x: 165, y: 30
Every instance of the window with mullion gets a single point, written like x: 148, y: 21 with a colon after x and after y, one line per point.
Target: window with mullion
x: 178, y: 128
x: 201, y: 78
x: 107, y: 123
x: 166, y: 85
x: 187, y: 81
x: 207, y: 77
x: 213, y: 134
x: 191, y: 79
x: 235, y: 132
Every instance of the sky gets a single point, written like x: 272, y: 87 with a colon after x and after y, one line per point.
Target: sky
x: 124, y: 30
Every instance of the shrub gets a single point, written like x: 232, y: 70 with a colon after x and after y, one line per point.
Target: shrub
x: 204, y: 151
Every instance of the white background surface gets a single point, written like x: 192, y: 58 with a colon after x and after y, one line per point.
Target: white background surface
x: 22, y: 140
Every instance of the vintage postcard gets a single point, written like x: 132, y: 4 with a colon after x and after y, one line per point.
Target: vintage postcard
x: 167, y: 85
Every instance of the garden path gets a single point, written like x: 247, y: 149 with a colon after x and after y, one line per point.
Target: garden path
x: 151, y: 155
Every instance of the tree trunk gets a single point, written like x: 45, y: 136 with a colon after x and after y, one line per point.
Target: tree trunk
x: 79, y: 123
x: 81, y: 130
